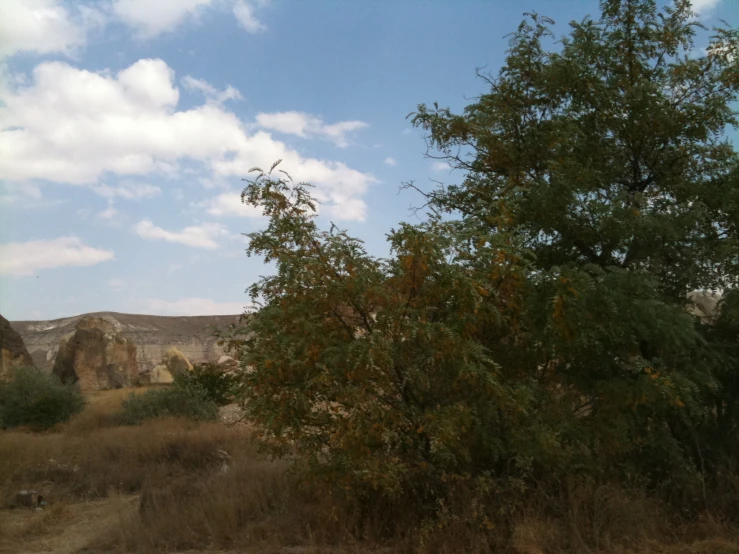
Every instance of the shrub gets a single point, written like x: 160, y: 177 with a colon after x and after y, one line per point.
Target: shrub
x: 185, y: 398
x: 218, y: 386
x: 37, y: 399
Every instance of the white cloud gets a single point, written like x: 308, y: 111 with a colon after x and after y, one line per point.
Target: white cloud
x: 244, y: 14
x: 75, y: 126
x: 194, y: 306
x: 704, y: 6
x: 438, y: 167
x: 196, y: 236
x: 44, y: 27
x: 26, y: 258
x: 150, y: 18
x: 228, y: 204
x: 390, y: 161
x: 129, y: 191
x: 211, y: 93
x: 306, y: 125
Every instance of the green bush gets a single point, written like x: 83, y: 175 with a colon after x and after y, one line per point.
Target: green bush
x: 218, y: 386
x: 185, y: 398
x: 37, y: 399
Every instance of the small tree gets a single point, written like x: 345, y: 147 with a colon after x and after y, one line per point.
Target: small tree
x: 186, y: 398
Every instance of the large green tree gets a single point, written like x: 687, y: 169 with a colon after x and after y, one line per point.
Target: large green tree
x: 534, y: 325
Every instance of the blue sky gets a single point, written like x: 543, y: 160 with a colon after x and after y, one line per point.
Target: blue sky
x: 127, y: 125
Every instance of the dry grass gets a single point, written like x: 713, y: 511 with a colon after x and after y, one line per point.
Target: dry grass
x: 161, y: 487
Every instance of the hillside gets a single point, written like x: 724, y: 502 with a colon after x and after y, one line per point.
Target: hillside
x: 153, y: 335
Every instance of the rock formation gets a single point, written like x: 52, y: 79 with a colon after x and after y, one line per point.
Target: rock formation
x: 226, y: 364
x: 153, y: 336
x: 13, y: 352
x: 173, y: 363
x: 160, y: 375
x: 97, y: 356
x: 176, y: 362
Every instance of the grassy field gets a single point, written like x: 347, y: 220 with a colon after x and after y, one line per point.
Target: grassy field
x: 163, y: 487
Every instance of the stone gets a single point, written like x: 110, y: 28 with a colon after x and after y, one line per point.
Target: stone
x: 176, y: 362
x: 13, y: 352
x: 226, y: 364
x: 160, y: 375
x: 97, y: 356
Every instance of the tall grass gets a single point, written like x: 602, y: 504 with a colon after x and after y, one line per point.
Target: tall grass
x: 162, y: 486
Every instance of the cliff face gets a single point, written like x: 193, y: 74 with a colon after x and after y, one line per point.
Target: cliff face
x: 152, y: 335
x: 13, y: 352
x: 97, y: 356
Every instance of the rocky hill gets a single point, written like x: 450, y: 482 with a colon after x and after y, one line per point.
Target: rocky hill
x: 152, y: 335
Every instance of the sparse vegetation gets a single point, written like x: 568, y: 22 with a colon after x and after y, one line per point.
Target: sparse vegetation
x: 36, y: 399
x: 185, y: 398
x: 219, y: 386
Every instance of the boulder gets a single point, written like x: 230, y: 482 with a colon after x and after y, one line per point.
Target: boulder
x: 97, y: 356
x: 13, y: 352
x: 160, y: 375
x: 176, y: 362
x: 226, y: 364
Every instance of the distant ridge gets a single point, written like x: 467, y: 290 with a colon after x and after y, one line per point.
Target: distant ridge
x: 152, y: 334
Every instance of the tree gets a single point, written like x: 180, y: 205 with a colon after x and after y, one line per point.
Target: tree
x: 608, y: 163
x: 533, y: 327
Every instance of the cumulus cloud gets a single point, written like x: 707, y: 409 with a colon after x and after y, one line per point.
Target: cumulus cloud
x: 704, y: 6
x: 74, y: 126
x: 151, y: 18
x: 193, y: 306
x: 211, y: 93
x: 390, y: 161
x: 244, y: 14
x: 26, y: 258
x: 307, y: 126
x: 196, y: 236
x: 228, y: 204
x: 45, y: 26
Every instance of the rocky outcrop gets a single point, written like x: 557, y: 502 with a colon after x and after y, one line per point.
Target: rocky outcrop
x: 173, y: 363
x: 226, y: 364
x: 153, y: 336
x: 13, y: 352
x: 97, y: 356
x: 176, y: 362
x: 160, y: 375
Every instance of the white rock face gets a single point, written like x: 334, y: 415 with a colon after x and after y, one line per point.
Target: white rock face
x: 160, y: 375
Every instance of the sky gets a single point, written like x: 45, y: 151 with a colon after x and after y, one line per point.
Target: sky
x: 127, y: 126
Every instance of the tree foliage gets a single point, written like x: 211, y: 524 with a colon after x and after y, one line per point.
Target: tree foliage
x: 38, y: 400
x: 534, y: 325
